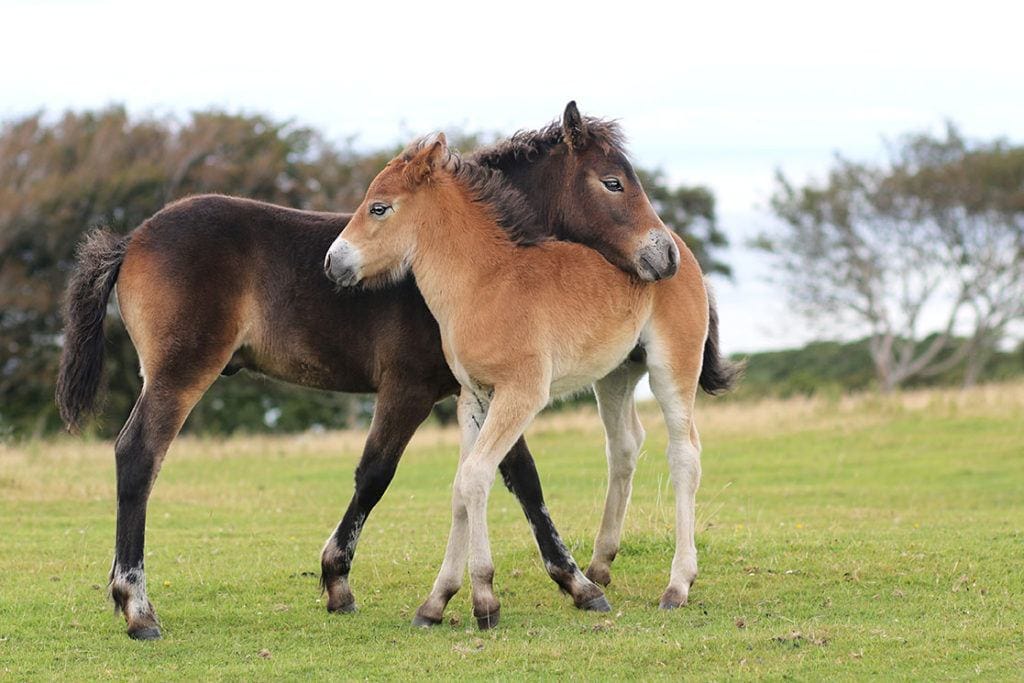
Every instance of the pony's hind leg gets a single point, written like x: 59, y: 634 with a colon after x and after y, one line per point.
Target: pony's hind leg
x: 399, y: 412
x: 674, y: 383
x: 139, y: 451
x: 520, y: 476
x: 624, y: 435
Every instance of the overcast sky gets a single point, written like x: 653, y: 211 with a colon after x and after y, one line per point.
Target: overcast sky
x: 718, y: 95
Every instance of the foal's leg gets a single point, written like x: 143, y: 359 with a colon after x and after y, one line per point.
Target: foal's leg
x: 472, y: 410
x: 399, y: 412
x: 624, y: 435
x: 520, y: 476
x: 511, y: 410
x: 674, y: 375
x: 139, y: 450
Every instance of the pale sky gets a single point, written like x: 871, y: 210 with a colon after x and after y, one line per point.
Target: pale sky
x: 718, y: 95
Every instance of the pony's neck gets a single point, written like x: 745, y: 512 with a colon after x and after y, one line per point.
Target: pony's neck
x: 459, y: 248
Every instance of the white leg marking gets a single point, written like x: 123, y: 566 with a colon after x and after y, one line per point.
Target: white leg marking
x: 472, y: 411
x: 676, y: 396
x: 624, y: 436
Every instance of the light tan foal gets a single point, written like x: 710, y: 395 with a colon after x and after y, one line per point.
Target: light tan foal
x: 520, y: 325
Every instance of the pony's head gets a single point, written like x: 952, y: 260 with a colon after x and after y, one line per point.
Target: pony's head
x: 579, y: 180
x: 376, y: 247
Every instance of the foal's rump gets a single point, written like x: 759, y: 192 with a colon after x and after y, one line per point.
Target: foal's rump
x: 216, y: 283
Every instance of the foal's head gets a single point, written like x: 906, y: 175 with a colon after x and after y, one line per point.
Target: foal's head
x: 577, y: 177
x: 377, y: 245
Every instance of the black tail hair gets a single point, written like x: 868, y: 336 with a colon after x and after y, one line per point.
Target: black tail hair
x: 99, y: 258
x: 718, y: 374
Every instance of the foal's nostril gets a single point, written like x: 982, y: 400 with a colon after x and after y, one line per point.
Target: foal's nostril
x: 327, y: 265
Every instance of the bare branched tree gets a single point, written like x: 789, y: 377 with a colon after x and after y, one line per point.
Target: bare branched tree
x: 932, y: 239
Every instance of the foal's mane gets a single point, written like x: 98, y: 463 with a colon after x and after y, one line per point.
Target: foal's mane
x: 489, y: 187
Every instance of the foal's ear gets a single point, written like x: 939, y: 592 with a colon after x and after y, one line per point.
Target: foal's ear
x: 430, y: 157
x: 574, y: 128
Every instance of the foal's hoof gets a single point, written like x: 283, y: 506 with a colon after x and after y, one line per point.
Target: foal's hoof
x: 598, y: 604
x: 600, y: 575
x: 420, y: 621
x: 672, y: 598
x: 145, y: 633
x: 488, y: 620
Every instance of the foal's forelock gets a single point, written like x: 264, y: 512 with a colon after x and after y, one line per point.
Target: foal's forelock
x: 489, y: 187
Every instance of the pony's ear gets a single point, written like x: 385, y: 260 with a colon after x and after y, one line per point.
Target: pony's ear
x: 574, y: 128
x: 430, y: 157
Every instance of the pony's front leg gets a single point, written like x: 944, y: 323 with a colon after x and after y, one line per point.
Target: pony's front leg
x: 399, y: 412
x: 472, y: 410
x: 511, y: 410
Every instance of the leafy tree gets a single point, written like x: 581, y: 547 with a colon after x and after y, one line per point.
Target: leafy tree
x: 939, y: 228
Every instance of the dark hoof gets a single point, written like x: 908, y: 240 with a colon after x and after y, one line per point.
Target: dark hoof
x: 346, y: 608
x: 146, y: 633
x: 598, y: 604
x: 488, y: 620
x: 420, y: 621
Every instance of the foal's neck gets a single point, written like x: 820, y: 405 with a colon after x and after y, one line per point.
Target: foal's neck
x: 459, y: 249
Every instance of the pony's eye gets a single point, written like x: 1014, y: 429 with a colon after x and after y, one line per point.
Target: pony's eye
x: 612, y: 184
x: 379, y: 208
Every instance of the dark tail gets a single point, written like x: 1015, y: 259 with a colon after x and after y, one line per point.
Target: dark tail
x: 81, y: 362
x: 718, y: 374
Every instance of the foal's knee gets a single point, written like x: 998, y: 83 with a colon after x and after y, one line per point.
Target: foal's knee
x: 474, y: 482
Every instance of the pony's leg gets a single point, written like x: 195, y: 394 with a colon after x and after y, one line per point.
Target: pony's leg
x: 398, y: 413
x: 520, y: 476
x: 674, y: 374
x: 472, y: 410
x: 511, y: 410
x: 139, y: 451
x: 624, y: 435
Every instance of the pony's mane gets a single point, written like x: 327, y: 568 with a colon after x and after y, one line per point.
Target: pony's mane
x: 488, y: 187
x: 525, y: 145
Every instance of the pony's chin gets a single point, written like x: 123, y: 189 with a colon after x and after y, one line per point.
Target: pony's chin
x: 385, y: 279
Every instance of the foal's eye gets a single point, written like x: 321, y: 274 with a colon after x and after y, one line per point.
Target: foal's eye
x: 612, y: 184
x: 379, y: 208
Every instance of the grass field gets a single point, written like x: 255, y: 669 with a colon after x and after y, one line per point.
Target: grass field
x: 862, y: 537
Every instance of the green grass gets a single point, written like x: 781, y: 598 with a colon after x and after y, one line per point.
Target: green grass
x: 860, y: 538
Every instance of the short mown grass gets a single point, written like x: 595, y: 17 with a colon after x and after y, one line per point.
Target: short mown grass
x: 860, y: 537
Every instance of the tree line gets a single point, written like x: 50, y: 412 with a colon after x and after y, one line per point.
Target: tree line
x: 923, y: 253
x: 61, y: 176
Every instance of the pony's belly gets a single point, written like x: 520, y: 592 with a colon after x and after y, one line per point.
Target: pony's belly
x: 578, y: 371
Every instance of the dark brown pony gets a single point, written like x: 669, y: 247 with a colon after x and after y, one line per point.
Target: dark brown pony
x: 211, y: 285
